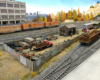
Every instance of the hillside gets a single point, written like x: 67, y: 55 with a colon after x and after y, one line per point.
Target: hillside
x: 95, y: 11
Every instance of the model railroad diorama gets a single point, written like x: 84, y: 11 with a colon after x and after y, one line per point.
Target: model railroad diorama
x: 27, y: 47
x: 27, y: 26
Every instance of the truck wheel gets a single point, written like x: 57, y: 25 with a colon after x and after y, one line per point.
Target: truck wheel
x: 47, y: 46
x: 41, y: 49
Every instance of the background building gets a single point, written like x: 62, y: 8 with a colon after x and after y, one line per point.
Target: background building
x: 35, y: 15
x: 12, y: 12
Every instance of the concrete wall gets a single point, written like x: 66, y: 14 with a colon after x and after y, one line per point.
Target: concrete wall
x: 18, y: 8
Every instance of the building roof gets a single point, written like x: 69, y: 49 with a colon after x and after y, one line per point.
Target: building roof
x: 69, y: 26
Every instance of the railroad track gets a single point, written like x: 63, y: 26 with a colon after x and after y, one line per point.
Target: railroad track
x: 27, y: 34
x: 80, y: 53
x: 32, y: 33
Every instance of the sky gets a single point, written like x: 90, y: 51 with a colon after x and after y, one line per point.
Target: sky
x: 54, y: 6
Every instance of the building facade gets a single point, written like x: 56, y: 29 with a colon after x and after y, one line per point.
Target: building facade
x: 12, y: 12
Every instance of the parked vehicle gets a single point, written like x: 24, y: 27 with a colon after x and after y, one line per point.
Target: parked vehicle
x: 29, y: 40
x: 87, y: 27
x: 41, y: 44
x: 93, y: 25
x: 89, y: 37
x: 24, y: 45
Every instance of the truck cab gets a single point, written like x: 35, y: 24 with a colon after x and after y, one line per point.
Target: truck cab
x: 87, y: 27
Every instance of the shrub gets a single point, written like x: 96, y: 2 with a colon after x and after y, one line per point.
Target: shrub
x: 33, y: 74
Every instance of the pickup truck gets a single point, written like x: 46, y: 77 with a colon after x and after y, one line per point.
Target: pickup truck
x: 41, y: 44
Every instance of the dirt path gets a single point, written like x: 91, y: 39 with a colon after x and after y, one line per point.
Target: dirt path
x: 55, y: 42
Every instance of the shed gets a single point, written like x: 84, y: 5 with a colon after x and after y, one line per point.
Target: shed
x: 67, y: 30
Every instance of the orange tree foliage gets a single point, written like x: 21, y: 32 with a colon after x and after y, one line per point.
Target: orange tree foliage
x: 49, y: 18
x: 79, y: 16
x: 55, y: 18
x: 87, y: 17
x: 35, y: 20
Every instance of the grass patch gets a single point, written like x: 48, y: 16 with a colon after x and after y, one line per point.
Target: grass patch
x: 10, y: 76
x: 26, y: 77
x: 20, y: 34
x: 1, y: 65
x: 4, y: 58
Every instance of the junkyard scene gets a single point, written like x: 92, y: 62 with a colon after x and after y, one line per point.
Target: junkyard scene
x: 58, y: 45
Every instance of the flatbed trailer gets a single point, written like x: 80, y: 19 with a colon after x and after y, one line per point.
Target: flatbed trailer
x: 41, y: 44
x: 89, y: 37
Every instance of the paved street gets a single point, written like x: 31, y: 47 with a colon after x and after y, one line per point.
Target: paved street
x: 88, y: 70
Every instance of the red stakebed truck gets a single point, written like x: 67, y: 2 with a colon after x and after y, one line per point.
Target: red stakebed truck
x: 41, y: 44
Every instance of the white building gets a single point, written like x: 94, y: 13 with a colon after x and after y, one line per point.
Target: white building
x: 12, y: 12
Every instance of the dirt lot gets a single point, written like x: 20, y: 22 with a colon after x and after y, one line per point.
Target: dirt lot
x: 55, y: 42
x: 11, y: 68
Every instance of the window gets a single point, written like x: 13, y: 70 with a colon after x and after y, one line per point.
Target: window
x: 2, y: 4
x: 11, y: 16
x: 10, y: 5
x: 22, y: 6
x: 3, y: 10
x: 10, y: 11
x: 23, y: 11
x: 17, y: 11
x: 16, y: 5
x: 23, y: 16
x: 4, y: 17
x: 17, y: 16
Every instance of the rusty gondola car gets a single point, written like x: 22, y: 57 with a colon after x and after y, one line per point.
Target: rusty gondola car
x: 89, y: 37
x: 10, y: 28
x: 27, y: 26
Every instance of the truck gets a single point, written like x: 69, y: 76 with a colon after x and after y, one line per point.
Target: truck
x: 87, y: 27
x: 42, y: 43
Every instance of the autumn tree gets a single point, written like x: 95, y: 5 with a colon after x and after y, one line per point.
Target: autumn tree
x: 45, y: 19
x: 78, y: 11
x: 58, y: 16
x: 87, y: 17
x: 79, y: 16
x: 35, y: 20
x: 63, y: 16
x: 52, y: 15
x: 74, y: 15
x: 49, y: 18
x: 69, y: 15
x: 55, y: 18
x: 40, y: 18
